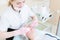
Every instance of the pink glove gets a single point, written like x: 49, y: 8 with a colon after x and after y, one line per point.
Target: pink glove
x: 33, y: 24
x: 24, y: 30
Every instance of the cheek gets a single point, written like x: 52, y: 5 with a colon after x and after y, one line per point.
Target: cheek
x: 13, y: 3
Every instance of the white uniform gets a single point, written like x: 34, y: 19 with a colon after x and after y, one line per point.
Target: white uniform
x: 14, y: 20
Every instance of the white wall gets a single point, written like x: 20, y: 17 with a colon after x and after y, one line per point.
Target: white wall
x: 3, y: 5
x: 36, y: 2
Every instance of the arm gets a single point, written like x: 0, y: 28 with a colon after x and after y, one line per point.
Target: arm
x: 7, y: 34
x: 31, y: 34
x: 4, y: 25
x: 34, y: 21
x: 14, y: 33
x: 32, y: 26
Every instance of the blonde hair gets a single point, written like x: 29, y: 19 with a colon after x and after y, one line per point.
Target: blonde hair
x: 9, y: 3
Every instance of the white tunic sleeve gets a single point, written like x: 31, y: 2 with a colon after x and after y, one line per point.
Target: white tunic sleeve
x: 4, y: 23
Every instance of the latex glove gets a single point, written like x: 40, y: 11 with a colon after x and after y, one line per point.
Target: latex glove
x: 23, y: 30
